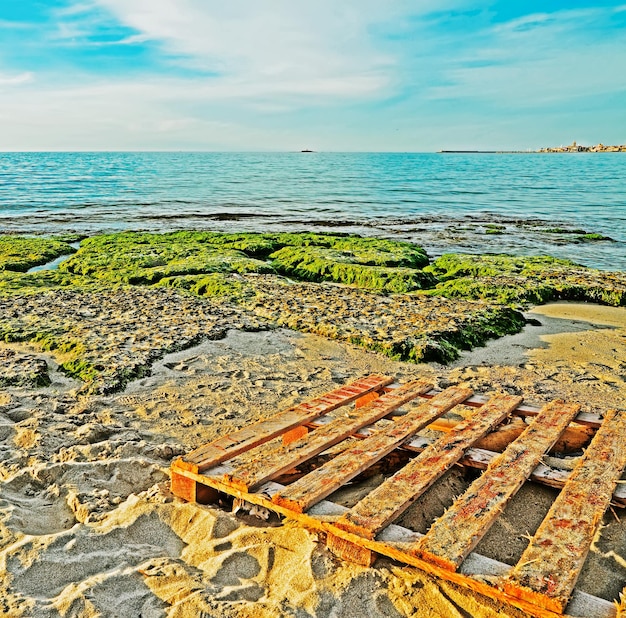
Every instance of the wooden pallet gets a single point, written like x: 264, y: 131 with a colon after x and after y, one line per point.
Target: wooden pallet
x: 251, y: 464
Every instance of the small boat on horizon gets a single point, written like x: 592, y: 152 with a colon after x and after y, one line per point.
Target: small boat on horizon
x: 307, y: 150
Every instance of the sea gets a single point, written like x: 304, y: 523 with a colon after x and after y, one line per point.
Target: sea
x: 518, y: 203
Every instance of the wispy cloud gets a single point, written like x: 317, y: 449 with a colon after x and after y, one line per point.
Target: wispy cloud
x: 279, y: 44
x: 540, y: 59
x: 16, y: 80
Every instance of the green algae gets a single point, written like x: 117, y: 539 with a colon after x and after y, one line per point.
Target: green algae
x: 12, y: 283
x: 594, y: 237
x: 143, y: 258
x: 214, y: 284
x: 514, y: 280
x: 456, y: 265
x: 562, y: 230
x: 70, y: 350
x: 327, y: 264
x: 20, y: 253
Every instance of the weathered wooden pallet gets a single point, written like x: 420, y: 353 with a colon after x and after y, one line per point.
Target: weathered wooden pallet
x: 249, y: 464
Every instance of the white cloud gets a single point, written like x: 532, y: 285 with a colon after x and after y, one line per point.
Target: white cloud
x: 285, y: 45
x: 16, y: 80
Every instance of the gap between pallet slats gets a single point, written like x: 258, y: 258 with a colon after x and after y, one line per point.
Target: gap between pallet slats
x: 388, y: 501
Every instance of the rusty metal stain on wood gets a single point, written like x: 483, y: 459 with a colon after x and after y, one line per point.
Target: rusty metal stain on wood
x: 279, y: 460
x: 457, y: 532
x: 396, y: 494
x: 223, y: 448
x: 549, y: 567
x: 324, y: 480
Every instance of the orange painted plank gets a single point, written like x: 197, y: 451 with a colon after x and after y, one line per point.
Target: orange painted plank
x: 321, y: 482
x: 549, y: 567
x: 285, y: 457
x: 456, y: 533
x: 396, y: 494
x: 229, y: 446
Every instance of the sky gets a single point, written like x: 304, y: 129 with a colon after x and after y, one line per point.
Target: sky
x: 329, y: 75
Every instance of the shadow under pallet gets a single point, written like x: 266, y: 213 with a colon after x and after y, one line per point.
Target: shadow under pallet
x: 250, y: 464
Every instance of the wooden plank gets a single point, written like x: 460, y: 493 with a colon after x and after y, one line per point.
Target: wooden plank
x: 396, y: 494
x: 321, y: 482
x: 322, y: 516
x: 572, y: 440
x: 582, y: 418
x: 456, y: 533
x: 549, y: 567
x: 480, y: 458
x: 285, y: 457
x: 229, y: 446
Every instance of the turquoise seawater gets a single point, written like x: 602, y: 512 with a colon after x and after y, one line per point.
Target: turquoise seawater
x: 477, y: 203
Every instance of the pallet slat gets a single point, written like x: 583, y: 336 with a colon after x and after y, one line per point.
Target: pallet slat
x: 549, y: 567
x: 582, y: 418
x: 480, y: 458
x: 321, y: 482
x: 286, y: 457
x: 388, y: 501
x: 458, y: 531
x: 229, y: 446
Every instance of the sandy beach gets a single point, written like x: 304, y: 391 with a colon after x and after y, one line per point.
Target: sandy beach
x: 88, y: 526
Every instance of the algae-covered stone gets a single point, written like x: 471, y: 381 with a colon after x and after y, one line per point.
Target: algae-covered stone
x: 142, y: 258
x: 406, y: 327
x: 111, y: 336
x: 18, y: 369
x: 40, y: 281
x: 510, y: 279
x: 224, y: 285
x: 365, y: 270
x: 19, y: 253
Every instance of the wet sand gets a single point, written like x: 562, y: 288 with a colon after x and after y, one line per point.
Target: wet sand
x: 88, y: 526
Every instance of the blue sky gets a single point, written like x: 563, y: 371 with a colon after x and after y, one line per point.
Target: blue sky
x: 398, y: 75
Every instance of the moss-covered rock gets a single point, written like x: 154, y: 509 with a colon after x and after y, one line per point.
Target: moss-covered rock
x: 20, y: 253
x: 214, y: 284
x: 40, y: 281
x: 342, y: 266
x: 406, y: 327
x: 142, y: 258
x: 23, y: 370
x: 111, y: 336
x: 506, y: 279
